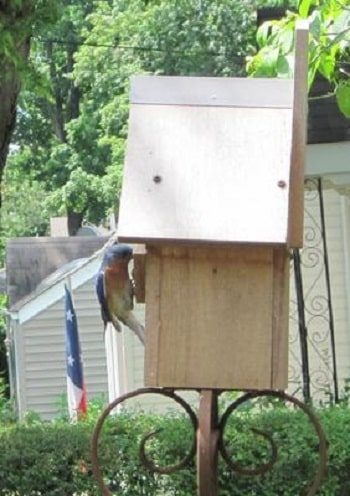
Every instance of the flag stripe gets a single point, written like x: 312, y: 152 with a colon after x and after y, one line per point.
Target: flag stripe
x: 76, y: 397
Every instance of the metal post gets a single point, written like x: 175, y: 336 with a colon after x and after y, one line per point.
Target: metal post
x: 207, y: 444
x: 328, y: 285
x: 302, y: 325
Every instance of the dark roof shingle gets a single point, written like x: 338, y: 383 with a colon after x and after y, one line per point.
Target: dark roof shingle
x: 30, y: 260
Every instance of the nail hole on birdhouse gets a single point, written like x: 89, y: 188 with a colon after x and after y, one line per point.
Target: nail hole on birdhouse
x: 282, y: 184
x: 157, y: 179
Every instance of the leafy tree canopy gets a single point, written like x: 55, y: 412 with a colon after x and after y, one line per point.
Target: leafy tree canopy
x: 71, y: 134
x: 329, y: 46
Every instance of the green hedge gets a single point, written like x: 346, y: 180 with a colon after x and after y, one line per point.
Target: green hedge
x: 54, y: 459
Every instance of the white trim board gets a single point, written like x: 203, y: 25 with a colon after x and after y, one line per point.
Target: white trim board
x: 328, y: 159
x: 55, y: 292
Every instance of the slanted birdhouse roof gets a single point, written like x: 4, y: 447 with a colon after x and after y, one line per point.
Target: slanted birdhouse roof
x: 215, y: 160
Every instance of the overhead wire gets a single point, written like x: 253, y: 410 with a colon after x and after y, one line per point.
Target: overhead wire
x: 186, y: 52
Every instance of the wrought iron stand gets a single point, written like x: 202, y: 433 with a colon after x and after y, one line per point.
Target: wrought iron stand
x: 208, y: 439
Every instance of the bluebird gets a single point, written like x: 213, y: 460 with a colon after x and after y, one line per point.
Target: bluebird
x: 115, y: 291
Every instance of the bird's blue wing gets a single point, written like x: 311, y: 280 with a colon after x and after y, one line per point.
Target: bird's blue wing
x: 101, y: 297
x: 99, y: 287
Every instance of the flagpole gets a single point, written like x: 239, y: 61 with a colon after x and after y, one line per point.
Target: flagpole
x: 68, y: 283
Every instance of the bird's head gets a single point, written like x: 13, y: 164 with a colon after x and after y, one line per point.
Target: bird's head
x: 117, y: 253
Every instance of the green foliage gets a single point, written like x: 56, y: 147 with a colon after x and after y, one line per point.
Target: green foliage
x: 54, y: 459
x: 198, y: 38
x: 71, y: 134
x: 26, y: 196
x: 342, y: 94
x: 19, y: 20
x: 4, y: 377
x: 7, y: 416
x: 329, y: 43
x: 24, y: 211
x: 2, y: 316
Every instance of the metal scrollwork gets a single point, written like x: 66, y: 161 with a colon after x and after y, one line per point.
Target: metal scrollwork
x: 311, y: 314
x: 142, y: 450
x: 208, y: 439
x: 263, y: 468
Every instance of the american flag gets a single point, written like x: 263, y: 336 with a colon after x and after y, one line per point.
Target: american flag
x: 76, y: 392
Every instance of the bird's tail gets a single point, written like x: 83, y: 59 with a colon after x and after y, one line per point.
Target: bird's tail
x: 136, y: 326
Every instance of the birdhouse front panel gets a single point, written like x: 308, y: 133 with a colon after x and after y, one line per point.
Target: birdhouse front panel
x: 208, y: 165
x: 216, y: 317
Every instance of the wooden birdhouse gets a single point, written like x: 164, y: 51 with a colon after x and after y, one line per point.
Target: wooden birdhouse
x: 213, y: 187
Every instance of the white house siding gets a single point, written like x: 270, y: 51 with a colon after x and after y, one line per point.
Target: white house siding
x: 314, y: 286
x: 42, y: 367
x: 339, y: 251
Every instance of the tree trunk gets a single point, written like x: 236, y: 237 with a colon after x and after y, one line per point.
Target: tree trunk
x: 8, y: 99
x: 74, y: 220
x: 74, y: 93
x: 12, y: 16
x: 57, y: 112
x: 10, y: 85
